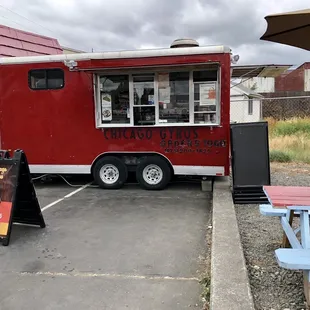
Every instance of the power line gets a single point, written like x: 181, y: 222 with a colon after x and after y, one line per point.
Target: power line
x: 2, y: 16
x: 27, y: 19
x: 57, y: 35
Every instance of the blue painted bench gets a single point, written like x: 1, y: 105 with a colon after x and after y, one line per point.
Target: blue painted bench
x: 267, y: 210
x: 296, y: 259
x: 293, y: 258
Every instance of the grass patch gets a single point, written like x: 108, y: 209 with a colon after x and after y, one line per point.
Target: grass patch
x: 206, y: 294
x: 293, y: 126
x: 279, y: 156
x: 289, y: 140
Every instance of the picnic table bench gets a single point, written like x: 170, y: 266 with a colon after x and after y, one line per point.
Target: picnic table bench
x: 287, y: 202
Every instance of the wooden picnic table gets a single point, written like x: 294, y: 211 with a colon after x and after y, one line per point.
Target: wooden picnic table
x: 286, y: 202
x: 286, y: 196
x: 296, y: 199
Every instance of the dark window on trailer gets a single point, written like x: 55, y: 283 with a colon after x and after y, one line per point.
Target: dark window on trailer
x: 206, y: 75
x: 46, y: 79
x: 174, y: 98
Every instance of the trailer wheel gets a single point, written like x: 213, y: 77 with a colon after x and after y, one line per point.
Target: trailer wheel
x: 153, y: 173
x: 110, y: 173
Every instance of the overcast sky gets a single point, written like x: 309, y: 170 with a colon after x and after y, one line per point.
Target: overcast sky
x: 129, y: 24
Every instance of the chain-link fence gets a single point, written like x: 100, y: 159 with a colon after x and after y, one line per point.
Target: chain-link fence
x: 278, y: 108
x: 283, y: 108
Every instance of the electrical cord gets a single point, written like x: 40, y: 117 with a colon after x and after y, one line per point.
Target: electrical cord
x: 66, y: 181
x: 96, y: 186
x: 40, y: 177
x: 93, y: 186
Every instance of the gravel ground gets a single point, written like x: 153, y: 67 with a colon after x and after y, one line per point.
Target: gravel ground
x: 272, y: 287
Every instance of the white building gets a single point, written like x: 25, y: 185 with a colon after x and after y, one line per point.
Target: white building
x: 260, y: 78
x: 247, y: 82
x: 245, y: 104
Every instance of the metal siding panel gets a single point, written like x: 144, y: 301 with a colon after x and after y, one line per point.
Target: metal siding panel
x: 236, y: 109
x: 261, y: 84
x: 307, y: 80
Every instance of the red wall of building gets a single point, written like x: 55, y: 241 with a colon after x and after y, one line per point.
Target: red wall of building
x: 294, y: 81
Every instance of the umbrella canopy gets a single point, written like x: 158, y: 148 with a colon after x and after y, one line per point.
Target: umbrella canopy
x: 291, y: 28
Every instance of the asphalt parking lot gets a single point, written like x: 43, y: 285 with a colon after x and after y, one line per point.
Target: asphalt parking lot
x: 124, y: 249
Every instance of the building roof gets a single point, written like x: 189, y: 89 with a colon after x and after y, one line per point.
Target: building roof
x: 70, y: 50
x: 18, y: 43
x: 250, y: 71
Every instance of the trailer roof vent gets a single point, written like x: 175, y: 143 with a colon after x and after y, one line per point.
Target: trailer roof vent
x: 184, y: 43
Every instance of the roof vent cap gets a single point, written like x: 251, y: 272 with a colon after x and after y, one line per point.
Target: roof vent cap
x: 184, y: 43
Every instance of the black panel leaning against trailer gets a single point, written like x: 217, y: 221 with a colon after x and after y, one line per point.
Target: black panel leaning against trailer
x: 250, y: 162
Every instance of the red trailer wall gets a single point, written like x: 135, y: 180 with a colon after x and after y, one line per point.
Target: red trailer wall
x: 57, y: 127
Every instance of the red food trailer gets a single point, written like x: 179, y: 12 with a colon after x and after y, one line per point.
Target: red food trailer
x: 158, y: 112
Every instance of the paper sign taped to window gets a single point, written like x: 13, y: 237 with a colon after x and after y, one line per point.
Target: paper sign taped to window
x: 207, y: 94
x: 163, y: 80
x: 164, y: 95
x: 106, y: 107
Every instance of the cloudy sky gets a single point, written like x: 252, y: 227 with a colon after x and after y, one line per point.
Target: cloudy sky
x: 129, y: 24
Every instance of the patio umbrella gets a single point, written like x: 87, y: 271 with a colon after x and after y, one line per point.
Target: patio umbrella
x: 290, y: 28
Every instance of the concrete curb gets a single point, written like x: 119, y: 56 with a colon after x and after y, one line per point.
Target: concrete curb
x: 230, y: 288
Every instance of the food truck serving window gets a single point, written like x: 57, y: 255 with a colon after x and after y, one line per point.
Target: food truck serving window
x: 176, y: 97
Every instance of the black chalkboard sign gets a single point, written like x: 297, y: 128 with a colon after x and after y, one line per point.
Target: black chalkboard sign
x: 250, y: 162
x: 18, y: 200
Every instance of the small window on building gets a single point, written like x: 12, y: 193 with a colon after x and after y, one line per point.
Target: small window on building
x: 114, y: 90
x: 250, y: 106
x: 173, y: 97
x: 205, y: 96
x: 46, y: 79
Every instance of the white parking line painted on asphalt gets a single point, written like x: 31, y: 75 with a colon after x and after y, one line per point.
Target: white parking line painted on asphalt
x: 77, y: 190
x: 67, y: 196
x: 105, y: 275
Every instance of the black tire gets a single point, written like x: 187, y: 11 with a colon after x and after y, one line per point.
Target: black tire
x: 115, y: 163
x: 162, y: 165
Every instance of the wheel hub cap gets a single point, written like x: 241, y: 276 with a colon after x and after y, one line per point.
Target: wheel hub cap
x: 109, y: 174
x: 152, y: 174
